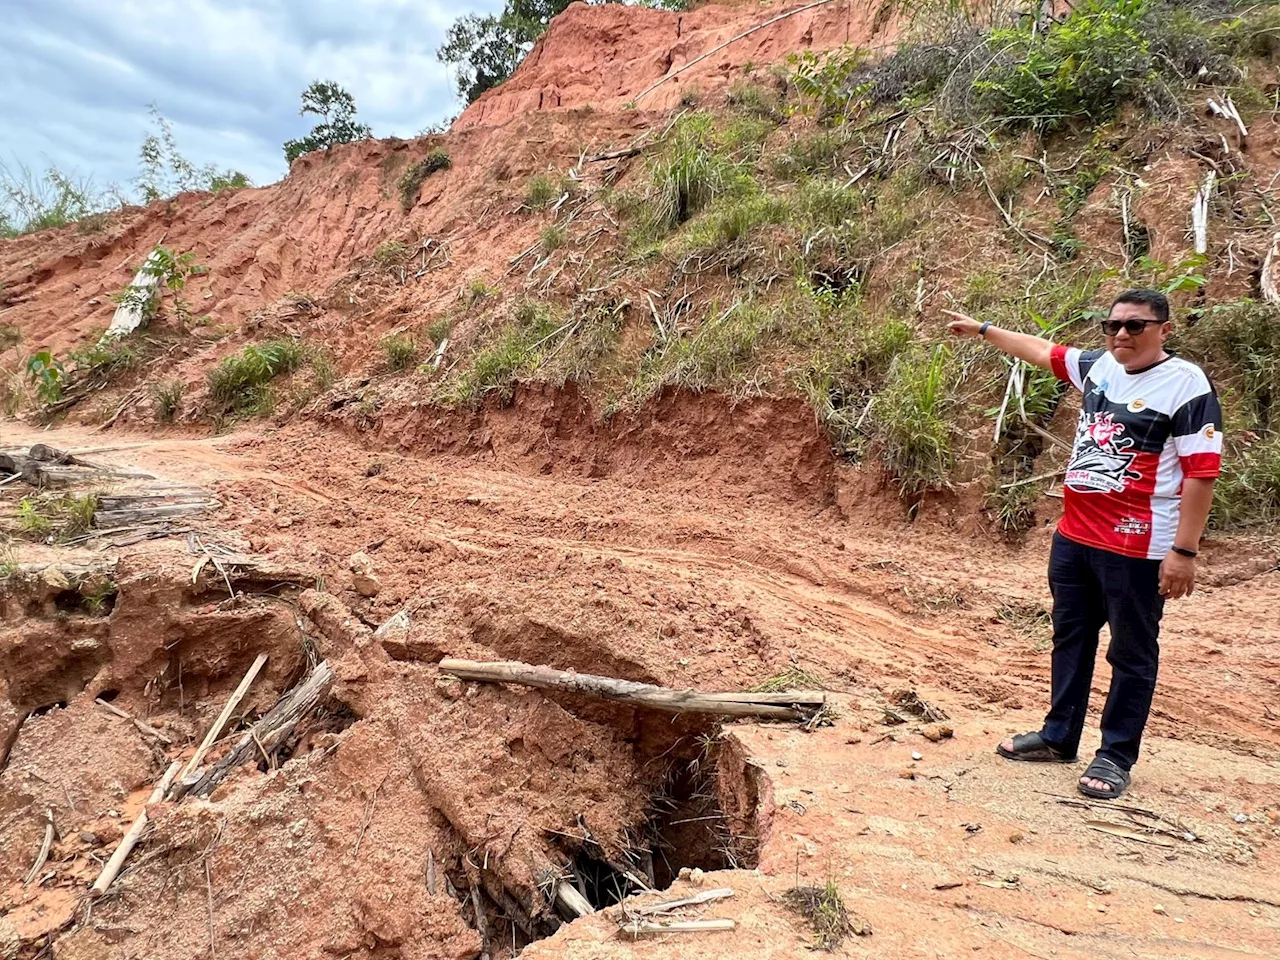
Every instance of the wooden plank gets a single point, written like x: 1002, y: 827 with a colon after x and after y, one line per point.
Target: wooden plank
x: 269, y: 732
x: 797, y: 705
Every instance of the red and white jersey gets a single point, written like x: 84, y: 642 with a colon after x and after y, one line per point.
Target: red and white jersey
x: 1139, y: 435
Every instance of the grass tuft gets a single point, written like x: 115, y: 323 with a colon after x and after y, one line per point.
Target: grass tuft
x: 166, y: 399
x: 240, y: 383
x: 911, y: 420
x: 794, y: 677
x: 824, y: 908
x: 401, y: 350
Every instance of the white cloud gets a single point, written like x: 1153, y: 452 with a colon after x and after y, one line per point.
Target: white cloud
x: 77, y: 75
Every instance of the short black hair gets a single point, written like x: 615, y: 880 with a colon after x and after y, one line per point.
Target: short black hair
x: 1154, y: 299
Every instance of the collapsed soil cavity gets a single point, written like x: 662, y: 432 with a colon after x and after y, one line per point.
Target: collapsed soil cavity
x: 700, y: 817
x: 624, y: 800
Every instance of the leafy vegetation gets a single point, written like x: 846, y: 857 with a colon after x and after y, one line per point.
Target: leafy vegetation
x: 166, y: 399
x: 515, y: 349
x: 336, y: 109
x: 240, y: 383
x: 48, y: 375
x: 56, y: 518
x: 165, y: 171
x: 171, y: 271
x: 417, y: 174
x: 31, y: 201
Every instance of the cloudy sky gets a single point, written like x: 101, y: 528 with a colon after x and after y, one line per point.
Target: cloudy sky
x: 76, y: 76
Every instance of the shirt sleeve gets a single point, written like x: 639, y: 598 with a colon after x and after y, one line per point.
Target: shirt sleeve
x: 1071, y: 364
x: 1197, y: 435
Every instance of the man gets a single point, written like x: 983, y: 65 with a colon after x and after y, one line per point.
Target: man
x: 1137, y: 493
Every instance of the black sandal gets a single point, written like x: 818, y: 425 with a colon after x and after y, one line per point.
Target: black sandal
x: 1033, y: 748
x: 1109, y: 773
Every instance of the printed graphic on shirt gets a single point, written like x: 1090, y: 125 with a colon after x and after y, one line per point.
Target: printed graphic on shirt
x: 1139, y: 437
x: 1102, y: 458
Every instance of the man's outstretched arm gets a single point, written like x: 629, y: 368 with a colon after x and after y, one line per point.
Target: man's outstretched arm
x: 1034, y: 350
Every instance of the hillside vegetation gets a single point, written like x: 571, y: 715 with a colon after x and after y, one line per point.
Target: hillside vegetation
x: 797, y: 235
x: 812, y: 223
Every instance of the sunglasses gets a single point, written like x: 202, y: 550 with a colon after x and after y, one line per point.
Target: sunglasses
x: 1133, y: 327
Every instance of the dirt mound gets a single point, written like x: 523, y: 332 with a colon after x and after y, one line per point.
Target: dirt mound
x: 641, y: 47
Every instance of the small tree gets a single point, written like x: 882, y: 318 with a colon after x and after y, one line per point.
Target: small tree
x: 336, y: 109
x: 165, y: 171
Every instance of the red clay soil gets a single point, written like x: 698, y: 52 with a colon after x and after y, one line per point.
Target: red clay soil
x: 641, y: 47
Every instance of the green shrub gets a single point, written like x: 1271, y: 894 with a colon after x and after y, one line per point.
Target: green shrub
x: 544, y: 190
x: 389, y: 252
x: 810, y: 152
x: 239, y: 383
x: 553, y: 237
x: 724, y: 352
x: 734, y: 218
x: 439, y: 328
x: 911, y: 420
x: 166, y: 399
x: 1248, y: 492
x: 47, y: 373
x: 401, y: 350
x: 57, y: 518
x: 413, y: 178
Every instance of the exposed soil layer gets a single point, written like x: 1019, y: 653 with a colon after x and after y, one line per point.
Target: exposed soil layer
x: 407, y: 774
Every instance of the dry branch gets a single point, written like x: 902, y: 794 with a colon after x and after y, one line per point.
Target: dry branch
x: 1267, y: 281
x: 791, y: 705
x: 143, y: 728
x: 667, y: 906
x: 130, y: 839
x: 640, y: 928
x: 269, y: 732
x: 43, y: 855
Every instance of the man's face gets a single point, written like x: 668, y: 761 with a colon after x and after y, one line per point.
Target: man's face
x: 1133, y: 351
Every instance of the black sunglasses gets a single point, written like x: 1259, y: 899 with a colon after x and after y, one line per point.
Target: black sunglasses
x: 1134, y: 327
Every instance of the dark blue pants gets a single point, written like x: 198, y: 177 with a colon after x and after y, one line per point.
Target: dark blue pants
x: 1091, y: 587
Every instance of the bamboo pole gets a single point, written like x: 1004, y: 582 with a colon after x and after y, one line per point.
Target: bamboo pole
x: 130, y: 839
x: 790, y: 705
x: 215, y: 731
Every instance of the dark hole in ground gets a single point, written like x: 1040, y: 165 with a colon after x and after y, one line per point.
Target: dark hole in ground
x: 93, y: 604
x: 49, y: 708
x: 106, y: 696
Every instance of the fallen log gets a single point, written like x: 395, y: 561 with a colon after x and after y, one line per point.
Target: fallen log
x: 269, y: 732
x: 789, y: 705
x: 130, y: 839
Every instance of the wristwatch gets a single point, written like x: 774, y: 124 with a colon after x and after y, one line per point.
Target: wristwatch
x: 1184, y: 552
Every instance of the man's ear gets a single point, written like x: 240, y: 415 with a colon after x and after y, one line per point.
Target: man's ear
x: 1166, y: 330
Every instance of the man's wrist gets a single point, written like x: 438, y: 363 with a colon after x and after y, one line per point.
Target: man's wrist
x: 982, y: 330
x: 1184, y: 551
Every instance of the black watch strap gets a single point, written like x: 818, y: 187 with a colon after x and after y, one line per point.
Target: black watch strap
x: 1183, y: 551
